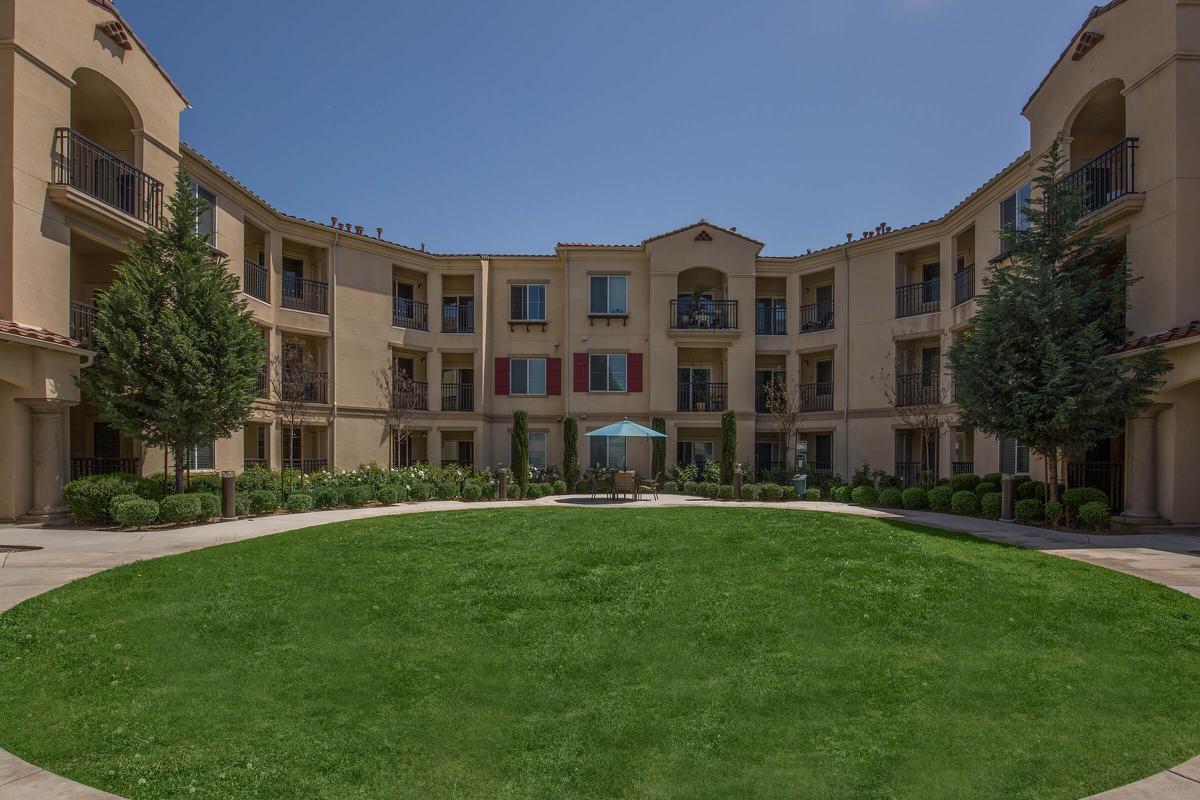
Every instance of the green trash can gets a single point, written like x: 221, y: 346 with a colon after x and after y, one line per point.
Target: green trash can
x: 801, y: 484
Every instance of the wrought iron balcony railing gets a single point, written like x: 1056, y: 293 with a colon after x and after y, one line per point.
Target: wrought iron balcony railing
x: 83, y: 321
x: 311, y: 387
x: 918, y: 388
x: 411, y: 314
x: 704, y: 314
x: 702, y: 396
x: 304, y: 294
x: 458, y: 318
x: 816, y: 317
x: 1107, y: 177
x: 83, y: 467
x: 412, y: 394
x: 770, y: 320
x: 458, y: 397
x: 254, y: 280
x: 81, y: 163
x: 964, y: 285
x: 918, y: 298
x: 816, y: 396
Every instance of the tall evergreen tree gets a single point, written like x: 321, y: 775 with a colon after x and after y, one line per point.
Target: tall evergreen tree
x: 177, y: 355
x: 570, y: 452
x: 728, y: 445
x: 658, y: 450
x: 1036, y: 362
x: 520, y: 450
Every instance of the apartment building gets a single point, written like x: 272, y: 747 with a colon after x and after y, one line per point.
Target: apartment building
x: 684, y: 324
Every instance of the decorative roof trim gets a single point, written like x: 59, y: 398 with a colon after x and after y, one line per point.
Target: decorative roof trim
x: 108, y: 6
x: 1096, y: 11
x: 1163, y: 337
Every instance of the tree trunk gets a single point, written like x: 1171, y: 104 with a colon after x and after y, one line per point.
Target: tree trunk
x: 178, y: 469
x: 1052, y: 477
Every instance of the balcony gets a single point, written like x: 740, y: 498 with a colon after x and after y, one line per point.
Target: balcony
x: 306, y: 465
x: 816, y: 397
x: 964, y: 285
x: 911, y: 473
x: 918, y: 298
x: 83, y: 467
x: 83, y: 321
x: 770, y: 321
x: 411, y: 394
x: 918, y: 388
x: 254, y: 281
x: 247, y: 463
x: 263, y: 385
x: 709, y: 315
x: 458, y: 397
x: 1106, y: 178
x: 310, y: 387
x: 82, y: 164
x: 304, y: 294
x: 1107, y: 476
x: 702, y: 396
x: 458, y: 318
x: 411, y: 314
x: 816, y: 317
x: 962, y: 467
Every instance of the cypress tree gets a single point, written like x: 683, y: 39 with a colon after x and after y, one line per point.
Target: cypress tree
x: 728, y: 445
x: 177, y: 355
x: 658, y: 450
x: 570, y: 452
x: 520, y: 450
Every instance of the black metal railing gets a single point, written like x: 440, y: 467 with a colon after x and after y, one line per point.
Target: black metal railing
x: 458, y: 397
x: 918, y: 388
x: 918, y: 298
x: 1107, y: 177
x: 254, y: 280
x: 81, y: 163
x: 821, y: 467
x: 263, y: 384
x: 458, y: 318
x: 770, y: 320
x: 311, y: 387
x: 306, y: 465
x: 912, y: 474
x: 816, y: 396
x: 412, y: 394
x: 304, y: 294
x: 83, y: 467
x: 1107, y: 476
x: 816, y: 317
x: 964, y: 285
x: 411, y: 314
x: 962, y: 467
x: 247, y: 463
x: 83, y: 321
x: 702, y: 396
x: 704, y: 314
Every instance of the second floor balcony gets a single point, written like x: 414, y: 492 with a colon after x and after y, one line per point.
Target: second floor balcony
x: 816, y: 396
x: 704, y: 314
x: 918, y: 388
x: 918, y: 298
x: 411, y: 394
x: 254, y: 280
x: 82, y: 164
x: 458, y: 317
x: 411, y: 314
x: 816, y: 317
x: 83, y: 320
x: 964, y: 285
x: 308, y: 386
x: 458, y: 396
x: 304, y: 294
x: 770, y: 319
x: 702, y: 397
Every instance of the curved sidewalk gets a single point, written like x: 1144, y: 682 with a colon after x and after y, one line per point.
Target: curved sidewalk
x: 1171, y: 559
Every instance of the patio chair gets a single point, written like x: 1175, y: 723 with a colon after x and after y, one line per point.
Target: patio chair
x: 648, y: 487
x: 624, y: 483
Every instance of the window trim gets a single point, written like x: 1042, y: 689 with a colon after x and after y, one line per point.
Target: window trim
x: 191, y: 458
x: 512, y: 384
x: 608, y: 373
x: 196, y: 188
x: 608, y: 441
x: 525, y: 288
x: 608, y: 310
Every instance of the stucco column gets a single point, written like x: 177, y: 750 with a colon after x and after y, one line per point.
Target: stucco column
x: 49, y: 458
x: 1141, y: 469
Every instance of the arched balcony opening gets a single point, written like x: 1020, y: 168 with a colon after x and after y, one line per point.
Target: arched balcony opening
x: 1101, y: 151
x: 701, y: 301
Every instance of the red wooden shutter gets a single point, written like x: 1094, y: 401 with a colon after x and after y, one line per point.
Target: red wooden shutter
x: 581, y: 372
x: 553, y: 376
x: 633, y: 363
x: 501, y: 376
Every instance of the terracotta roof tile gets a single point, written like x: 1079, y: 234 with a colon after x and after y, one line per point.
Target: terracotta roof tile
x: 706, y: 224
x: 1172, y: 335
x: 108, y: 6
x: 7, y: 326
x: 1095, y: 12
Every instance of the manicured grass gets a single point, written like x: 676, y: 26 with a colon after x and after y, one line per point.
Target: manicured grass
x: 560, y: 653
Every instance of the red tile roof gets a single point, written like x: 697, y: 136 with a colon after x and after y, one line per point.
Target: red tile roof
x: 1175, y: 334
x: 108, y: 6
x: 10, y: 328
x: 1095, y: 12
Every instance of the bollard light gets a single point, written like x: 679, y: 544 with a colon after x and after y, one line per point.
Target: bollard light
x: 228, y: 495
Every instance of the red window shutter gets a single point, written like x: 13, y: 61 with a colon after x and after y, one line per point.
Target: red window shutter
x: 581, y: 372
x: 633, y: 363
x: 501, y: 376
x: 553, y: 376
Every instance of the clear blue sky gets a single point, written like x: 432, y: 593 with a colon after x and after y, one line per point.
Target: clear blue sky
x: 508, y: 126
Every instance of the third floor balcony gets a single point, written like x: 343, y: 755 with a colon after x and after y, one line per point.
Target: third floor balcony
x: 80, y: 163
x: 411, y: 314
x: 704, y: 314
x: 918, y: 298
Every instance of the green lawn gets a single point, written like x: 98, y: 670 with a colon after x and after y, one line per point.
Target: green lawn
x: 558, y: 653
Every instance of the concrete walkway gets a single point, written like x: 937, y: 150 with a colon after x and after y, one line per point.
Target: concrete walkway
x: 1171, y: 559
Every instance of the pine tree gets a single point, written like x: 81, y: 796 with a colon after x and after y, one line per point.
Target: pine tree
x: 728, y: 445
x: 1036, y: 363
x: 658, y: 450
x: 177, y: 355
x: 570, y: 452
x: 520, y: 450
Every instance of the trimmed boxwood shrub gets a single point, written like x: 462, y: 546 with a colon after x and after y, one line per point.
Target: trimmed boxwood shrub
x: 891, y: 498
x: 179, y: 508
x: 725, y: 492
x: 691, y: 487
x: 789, y: 494
x: 771, y: 492
x: 965, y: 482
x: 118, y: 500
x: 487, y: 491
x: 964, y: 502
x: 135, y: 512
x: 472, y: 493
x: 266, y: 501
x: 559, y: 487
x: 1074, y: 499
x: 357, y: 496
x: 420, y: 492
x: 210, y: 505
x: 670, y: 487
x: 446, y: 491
x: 325, y: 497
x: 1054, y: 512
x: 915, y: 497
x: 991, y: 503
x: 940, y: 497
x: 986, y: 487
x: 1032, y: 490
x: 864, y: 496
x: 533, y: 491
x: 812, y: 494
x: 1029, y: 510
x: 298, y: 501
x: 89, y: 498
x: 750, y: 491
x: 1095, y: 514
x: 241, y: 506
x: 151, y: 489
x: 993, y: 477
x: 841, y: 494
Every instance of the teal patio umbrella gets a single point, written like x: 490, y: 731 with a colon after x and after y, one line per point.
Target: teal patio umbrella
x: 626, y: 428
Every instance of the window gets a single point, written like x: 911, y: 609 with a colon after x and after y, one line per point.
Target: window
x: 528, y: 376
x: 1012, y: 213
x: 537, y: 449
x: 528, y: 302
x: 824, y: 377
x: 1014, y: 457
x: 206, y: 217
x: 609, y: 295
x: 607, y: 451
x: 698, y: 453
x: 770, y: 316
x: 199, y: 457
x: 607, y: 372
x: 822, y: 454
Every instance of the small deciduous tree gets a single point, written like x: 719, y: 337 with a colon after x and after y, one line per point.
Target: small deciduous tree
x: 1036, y: 363
x: 920, y: 401
x: 292, y: 390
x: 401, y: 399
x: 728, y: 445
x: 177, y: 354
x: 787, y: 409
x: 570, y: 452
x: 520, y: 450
